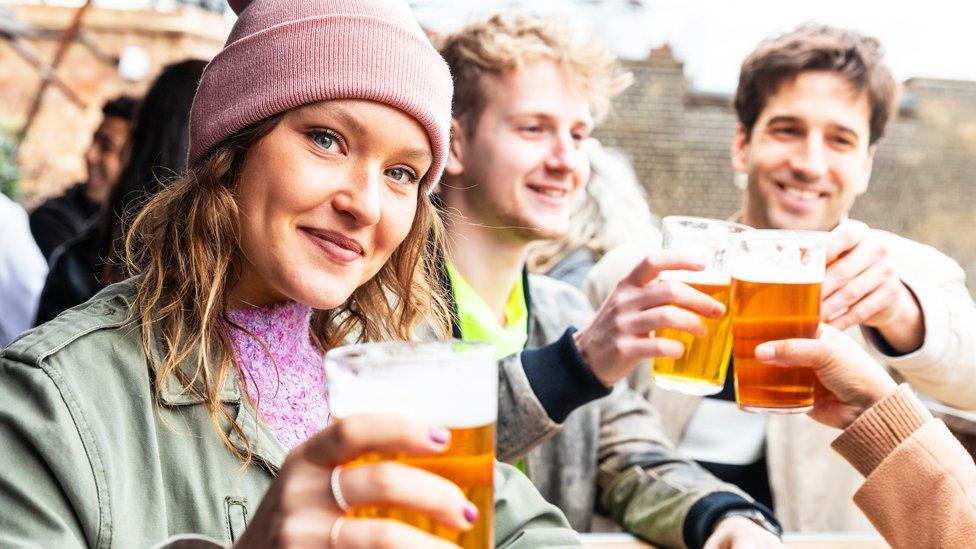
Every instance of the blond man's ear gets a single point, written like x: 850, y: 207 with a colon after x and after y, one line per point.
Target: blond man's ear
x: 455, y: 152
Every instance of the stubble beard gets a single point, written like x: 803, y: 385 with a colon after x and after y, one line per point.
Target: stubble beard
x: 515, y: 226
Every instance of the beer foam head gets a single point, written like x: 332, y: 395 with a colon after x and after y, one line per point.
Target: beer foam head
x: 708, y: 240
x: 713, y: 277
x: 756, y: 273
x: 446, y: 383
x: 789, y: 257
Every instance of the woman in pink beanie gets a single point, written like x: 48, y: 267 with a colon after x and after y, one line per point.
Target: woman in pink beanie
x: 185, y: 407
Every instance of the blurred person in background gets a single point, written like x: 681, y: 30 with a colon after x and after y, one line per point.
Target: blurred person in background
x: 612, y: 211
x: 22, y: 270
x: 155, y: 153
x: 812, y: 106
x: 62, y: 218
x: 186, y: 406
x: 527, y: 94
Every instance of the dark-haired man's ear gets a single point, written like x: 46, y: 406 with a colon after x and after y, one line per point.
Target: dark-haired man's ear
x: 740, y: 150
x: 869, y: 165
x: 455, y: 152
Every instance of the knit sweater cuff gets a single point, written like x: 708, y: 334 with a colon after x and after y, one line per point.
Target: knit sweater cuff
x: 880, y: 429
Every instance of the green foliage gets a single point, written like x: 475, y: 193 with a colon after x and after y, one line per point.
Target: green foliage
x: 9, y: 174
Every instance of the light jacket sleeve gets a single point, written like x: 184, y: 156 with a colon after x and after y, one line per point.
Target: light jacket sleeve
x: 522, y: 422
x: 48, y: 490
x: 648, y: 488
x: 538, y: 388
x: 944, y: 367
x: 523, y: 519
x: 920, y: 486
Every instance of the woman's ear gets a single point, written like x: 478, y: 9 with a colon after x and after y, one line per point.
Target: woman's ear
x: 455, y: 152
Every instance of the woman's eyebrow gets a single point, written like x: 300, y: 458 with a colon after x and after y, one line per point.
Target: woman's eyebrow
x: 339, y: 112
x: 419, y: 155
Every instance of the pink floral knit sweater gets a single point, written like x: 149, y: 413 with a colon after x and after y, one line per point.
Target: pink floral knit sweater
x: 286, y: 385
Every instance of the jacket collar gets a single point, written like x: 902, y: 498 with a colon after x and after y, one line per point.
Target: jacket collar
x: 455, y: 323
x: 264, y: 446
x: 117, y: 304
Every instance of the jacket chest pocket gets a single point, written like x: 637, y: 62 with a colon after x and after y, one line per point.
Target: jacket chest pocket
x: 236, y: 510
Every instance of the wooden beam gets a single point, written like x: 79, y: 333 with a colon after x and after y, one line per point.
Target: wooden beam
x: 66, y: 39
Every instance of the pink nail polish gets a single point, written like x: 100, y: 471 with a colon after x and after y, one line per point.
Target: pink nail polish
x: 440, y: 435
x: 470, y: 512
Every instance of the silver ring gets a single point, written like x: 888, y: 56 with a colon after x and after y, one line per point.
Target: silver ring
x: 337, y: 490
x: 335, y: 531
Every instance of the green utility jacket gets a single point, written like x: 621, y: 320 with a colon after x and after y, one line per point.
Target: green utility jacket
x: 88, y: 460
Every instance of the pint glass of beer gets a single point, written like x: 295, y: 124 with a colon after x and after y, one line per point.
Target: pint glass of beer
x: 776, y: 278
x: 701, y: 369
x: 451, y: 384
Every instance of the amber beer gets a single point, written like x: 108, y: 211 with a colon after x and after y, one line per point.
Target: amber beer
x: 775, y: 295
x: 449, y: 384
x: 469, y: 463
x: 767, y: 312
x: 701, y: 369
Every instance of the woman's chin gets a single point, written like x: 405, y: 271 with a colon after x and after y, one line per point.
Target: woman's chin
x: 323, y: 298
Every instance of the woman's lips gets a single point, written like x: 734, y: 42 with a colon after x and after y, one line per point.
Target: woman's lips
x: 336, y: 246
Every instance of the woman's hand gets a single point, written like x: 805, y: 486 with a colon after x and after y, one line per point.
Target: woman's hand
x: 300, y: 510
x: 617, y: 339
x: 850, y: 380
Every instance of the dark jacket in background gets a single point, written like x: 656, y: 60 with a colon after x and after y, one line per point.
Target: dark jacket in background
x: 60, y: 219
x: 73, y: 277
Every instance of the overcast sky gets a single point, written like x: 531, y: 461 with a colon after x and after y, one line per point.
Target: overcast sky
x: 931, y: 38
x: 926, y: 38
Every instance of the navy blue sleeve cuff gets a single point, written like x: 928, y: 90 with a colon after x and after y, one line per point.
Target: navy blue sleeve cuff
x: 560, y: 378
x: 701, y: 518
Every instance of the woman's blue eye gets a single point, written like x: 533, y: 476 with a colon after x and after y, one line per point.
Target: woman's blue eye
x: 401, y: 175
x: 323, y: 140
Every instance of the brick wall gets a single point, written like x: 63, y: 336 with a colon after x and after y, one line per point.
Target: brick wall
x: 51, y: 156
x: 923, y: 181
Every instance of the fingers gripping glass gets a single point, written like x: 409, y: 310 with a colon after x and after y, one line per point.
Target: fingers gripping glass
x: 449, y: 384
x: 701, y: 369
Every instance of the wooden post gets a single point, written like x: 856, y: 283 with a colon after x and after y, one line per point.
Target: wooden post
x: 63, y: 44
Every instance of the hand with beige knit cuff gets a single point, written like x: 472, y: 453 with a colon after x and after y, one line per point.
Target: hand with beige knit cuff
x: 850, y: 380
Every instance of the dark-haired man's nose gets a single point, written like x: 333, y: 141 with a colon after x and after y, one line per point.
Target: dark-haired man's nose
x: 809, y: 163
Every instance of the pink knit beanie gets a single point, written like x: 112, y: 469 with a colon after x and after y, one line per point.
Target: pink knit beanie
x: 282, y: 54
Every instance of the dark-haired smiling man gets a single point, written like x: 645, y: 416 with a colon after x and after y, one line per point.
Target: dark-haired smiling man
x: 813, y: 105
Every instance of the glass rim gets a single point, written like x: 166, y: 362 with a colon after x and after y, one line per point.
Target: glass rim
x: 784, y: 234
x: 352, y: 354
x: 708, y: 220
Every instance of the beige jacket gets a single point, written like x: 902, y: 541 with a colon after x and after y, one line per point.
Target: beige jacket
x: 920, y: 486
x: 812, y: 486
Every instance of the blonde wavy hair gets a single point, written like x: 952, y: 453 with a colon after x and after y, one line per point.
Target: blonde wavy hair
x: 185, y: 247
x: 507, y: 42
